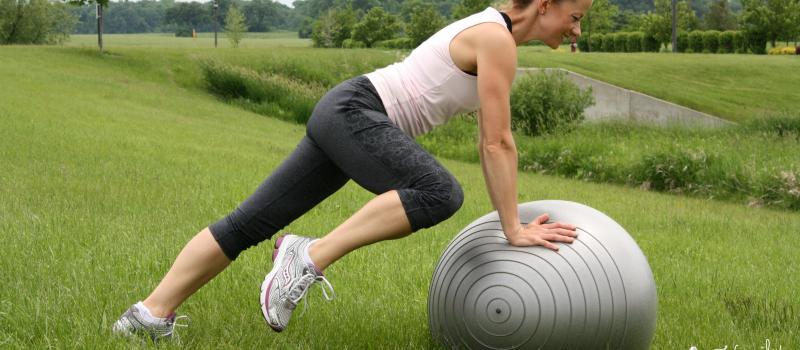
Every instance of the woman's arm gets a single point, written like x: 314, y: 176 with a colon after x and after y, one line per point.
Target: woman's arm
x: 497, y: 65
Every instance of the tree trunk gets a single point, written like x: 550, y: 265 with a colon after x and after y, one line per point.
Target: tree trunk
x: 100, y: 26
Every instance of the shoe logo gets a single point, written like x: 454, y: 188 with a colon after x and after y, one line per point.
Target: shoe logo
x: 286, y: 276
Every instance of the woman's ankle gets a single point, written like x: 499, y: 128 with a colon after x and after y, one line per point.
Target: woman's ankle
x: 156, y: 310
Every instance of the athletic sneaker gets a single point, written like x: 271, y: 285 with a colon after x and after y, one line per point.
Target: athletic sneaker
x: 138, y: 321
x: 291, y: 276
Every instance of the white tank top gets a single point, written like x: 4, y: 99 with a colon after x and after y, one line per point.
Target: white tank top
x: 427, y: 88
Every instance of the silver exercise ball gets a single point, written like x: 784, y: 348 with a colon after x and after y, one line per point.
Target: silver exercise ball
x: 595, y: 293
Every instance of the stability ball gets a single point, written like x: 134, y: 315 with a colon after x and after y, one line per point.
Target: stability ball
x: 595, y: 293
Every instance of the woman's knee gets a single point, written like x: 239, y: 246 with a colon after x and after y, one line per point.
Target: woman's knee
x: 429, y: 205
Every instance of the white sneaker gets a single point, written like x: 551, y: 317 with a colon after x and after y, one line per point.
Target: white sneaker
x: 289, y: 281
x: 137, y: 321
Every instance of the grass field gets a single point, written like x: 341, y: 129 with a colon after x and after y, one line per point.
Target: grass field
x: 733, y: 87
x: 111, y: 163
x: 203, y: 40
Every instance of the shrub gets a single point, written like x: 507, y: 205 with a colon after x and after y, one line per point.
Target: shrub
x: 711, y: 41
x: 726, y: 42
x: 620, y: 40
x: 683, y: 41
x: 739, y: 42
x: 650, y: 43
x: 696, y: 41
x: 780, y: 126
x: 676, y: 171
x: 353, y: 44
x: 756, y: 41
x: 634, y: 43
x: 332, y: 28
x: 547, y: 102
x: 183, y: 32
x: 274, y: 94
x: 779, y: 189
x: 396, y: 44
x: 583, y: 44
x: 787, y: 50
x: 608, y: 42
x: 597, y: 42
x: 376, y: 25
x: 424, y: 22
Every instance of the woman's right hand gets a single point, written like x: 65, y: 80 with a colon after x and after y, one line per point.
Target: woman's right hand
x: 538, y: 232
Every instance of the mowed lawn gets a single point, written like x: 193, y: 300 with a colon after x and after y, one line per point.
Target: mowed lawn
x: 109, y: 166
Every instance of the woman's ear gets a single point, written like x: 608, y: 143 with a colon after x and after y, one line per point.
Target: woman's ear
x: 542, y: 6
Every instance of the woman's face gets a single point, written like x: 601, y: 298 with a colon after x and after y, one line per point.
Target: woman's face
x: 561, y: 20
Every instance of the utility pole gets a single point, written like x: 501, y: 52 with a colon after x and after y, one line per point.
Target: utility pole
x: 99, y: 13
x: 674, y: 26
x: 216, y: 22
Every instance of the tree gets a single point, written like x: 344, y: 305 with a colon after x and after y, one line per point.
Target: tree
x: 772, y: 19
x: 658, y: 24
x: 332, y: 29
x: 100, y: 5
x: 719, y: 16
x: 34, y: 22
x: 469, y: 7
x: 375, y: 26
x: 599, y: 19
x: 755, y: 25
x: 235, y: 28
x: 187, y: 16
x: 424, y: 22
x: 261, y: 15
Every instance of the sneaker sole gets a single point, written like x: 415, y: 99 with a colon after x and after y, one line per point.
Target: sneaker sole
x: 268, y: 283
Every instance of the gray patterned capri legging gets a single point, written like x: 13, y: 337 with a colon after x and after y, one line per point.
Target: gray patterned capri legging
x: 349, y: 136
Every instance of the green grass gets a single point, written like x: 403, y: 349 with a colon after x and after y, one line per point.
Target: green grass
x: 730, y: 86
x: 203, y: 40
x: 111, y: 163
x: 747, y: 163
x: 733, y: 87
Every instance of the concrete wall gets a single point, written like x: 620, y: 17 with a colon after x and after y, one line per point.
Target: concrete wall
x: 615, y: 103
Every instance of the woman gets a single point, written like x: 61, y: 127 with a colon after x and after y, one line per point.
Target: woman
x: 363, y: 129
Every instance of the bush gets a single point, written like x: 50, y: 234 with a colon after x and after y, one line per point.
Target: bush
x: 353, y: 44
x: 696, y: 41
x: 608, y: 42
x: 333, y: 28
x: 597, y: 42
x: 711, y: 41
x: 756, y: 41
x: 583, y: 44
x: 547, y: 102
x: 183, y: 32
x: 787, y: 50
x: 650, y: 43
x: 739, y: 45
x: 683, y: 41
x: 634, y: 43
x: 396, y: 44
x: 726, y: 42
x: 266, y: 93
x: 376, y: 25
x: 676, y: 171
x: 425, y: 21
x: 620, y: 40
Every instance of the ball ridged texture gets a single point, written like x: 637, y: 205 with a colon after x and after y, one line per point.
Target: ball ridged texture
x: 595, y: 293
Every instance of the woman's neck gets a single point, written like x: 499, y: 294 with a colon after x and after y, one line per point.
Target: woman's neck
x: 523, y: 23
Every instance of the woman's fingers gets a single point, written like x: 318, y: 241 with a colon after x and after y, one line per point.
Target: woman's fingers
x: 548, y: 245
x: 558, y: 238
x: 559, y: 225
x: 541, y: 219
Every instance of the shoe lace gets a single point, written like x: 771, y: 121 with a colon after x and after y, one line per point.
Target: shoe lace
x: 300, y: 289
x: 180, y: 321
